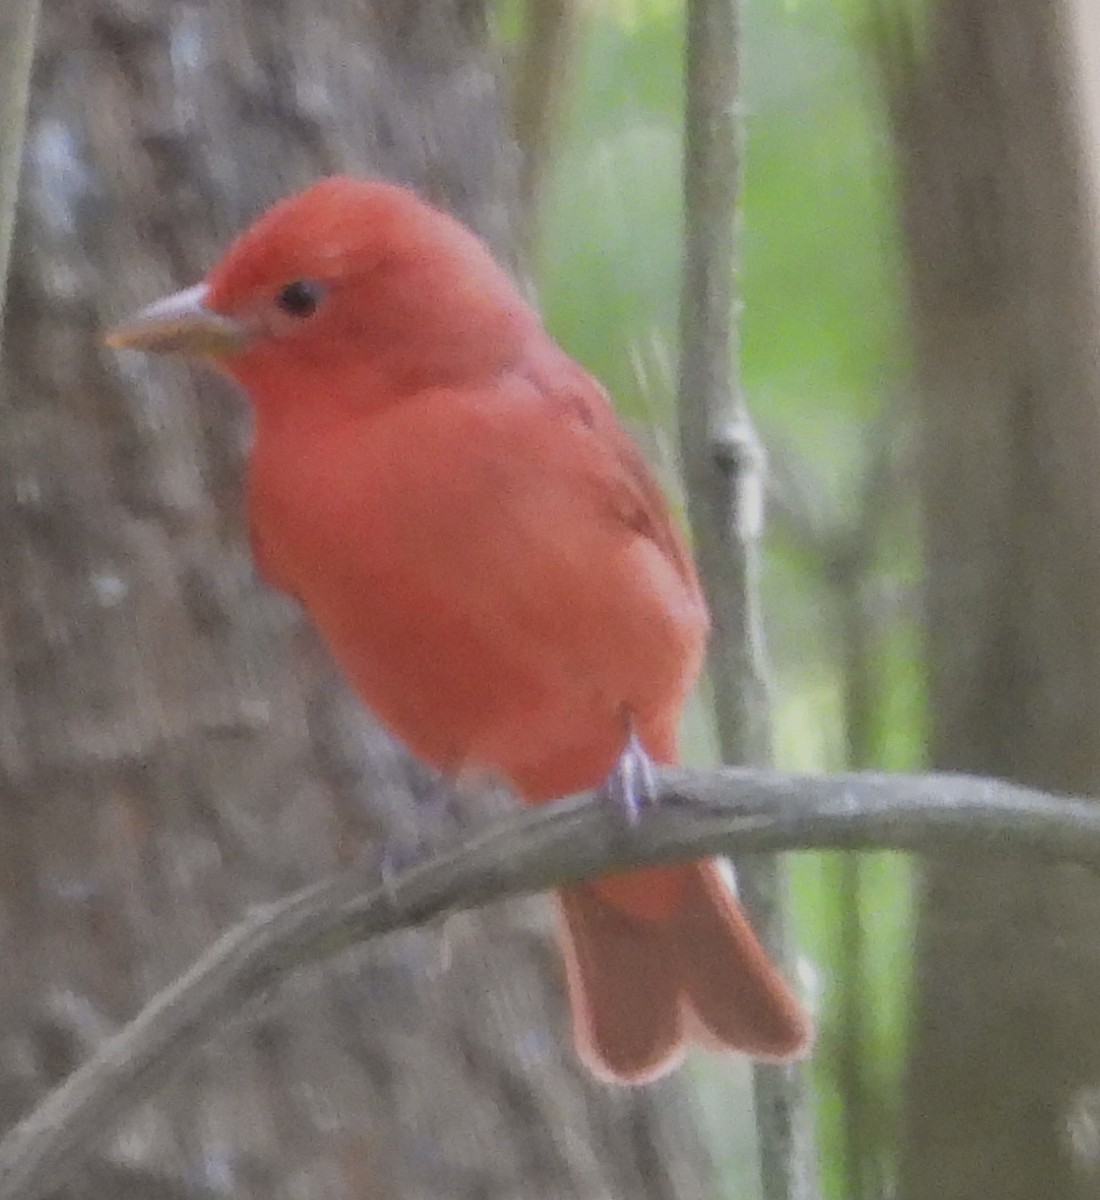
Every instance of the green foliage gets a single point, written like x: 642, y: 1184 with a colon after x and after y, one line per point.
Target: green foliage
x: 822, y: 356
x: 611, y: 242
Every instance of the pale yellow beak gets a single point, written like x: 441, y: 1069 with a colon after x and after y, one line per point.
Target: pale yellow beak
x: 182, y: 325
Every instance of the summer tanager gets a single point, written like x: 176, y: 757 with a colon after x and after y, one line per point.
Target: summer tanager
x: 490, y: 561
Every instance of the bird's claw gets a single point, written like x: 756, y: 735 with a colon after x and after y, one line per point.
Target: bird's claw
x: 411, y: 845
x: 392, y: 861
x: 632, y: 784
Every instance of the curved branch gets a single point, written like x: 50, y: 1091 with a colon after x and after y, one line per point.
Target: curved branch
x: 733, y: 811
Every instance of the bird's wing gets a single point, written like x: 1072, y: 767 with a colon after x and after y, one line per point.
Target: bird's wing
x: 615, y: 469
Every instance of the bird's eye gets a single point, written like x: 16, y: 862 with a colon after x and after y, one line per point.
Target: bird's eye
x: 300, y: 298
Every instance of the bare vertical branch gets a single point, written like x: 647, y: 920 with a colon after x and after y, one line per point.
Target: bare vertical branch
x: 724, y: 471
x: 849, y: 569
x: 18, y: 22
x: 543, y: 72
x: 844, y: 554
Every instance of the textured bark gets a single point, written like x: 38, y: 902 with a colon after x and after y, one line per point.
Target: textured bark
x: 998, y: 178
x: 174, y: 746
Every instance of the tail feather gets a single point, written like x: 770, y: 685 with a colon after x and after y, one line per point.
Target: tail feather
x: 641, y: 988
x: 732, y: 988
x: 626, y: 1014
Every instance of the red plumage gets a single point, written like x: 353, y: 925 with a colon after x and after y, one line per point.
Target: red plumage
x: 493, y: 566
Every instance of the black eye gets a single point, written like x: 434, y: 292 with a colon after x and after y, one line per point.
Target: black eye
x: 300, y: 298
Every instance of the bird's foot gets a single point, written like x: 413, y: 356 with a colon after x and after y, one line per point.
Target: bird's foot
x: 393, y: 860
x: 632, y: 784
x: 411, y: 842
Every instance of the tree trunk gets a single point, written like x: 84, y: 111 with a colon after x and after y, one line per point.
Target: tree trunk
x: 998, y: 194
x: 174, y: 746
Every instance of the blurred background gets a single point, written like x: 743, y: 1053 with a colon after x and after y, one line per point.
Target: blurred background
x: 919, y: 271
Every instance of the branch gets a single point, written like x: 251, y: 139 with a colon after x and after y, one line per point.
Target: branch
x: 18, y: 22
x: 724, y: 472
x: 542, y: 78
x: 722, y: 458
x: 734, y: 811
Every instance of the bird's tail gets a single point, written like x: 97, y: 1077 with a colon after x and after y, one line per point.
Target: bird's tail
x: 658, y: 958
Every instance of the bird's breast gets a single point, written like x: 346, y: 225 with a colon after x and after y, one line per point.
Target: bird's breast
x: 474, y: 602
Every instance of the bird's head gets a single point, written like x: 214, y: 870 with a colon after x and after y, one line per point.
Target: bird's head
x: 354, y: 287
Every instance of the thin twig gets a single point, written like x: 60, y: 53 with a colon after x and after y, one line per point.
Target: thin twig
x: 735, y: 811
x: 849, y: 574
x: 722, y: 457
x: 542, y: 76
x: 18, y: 24
x: 845, y: 551
x: 724, y: 471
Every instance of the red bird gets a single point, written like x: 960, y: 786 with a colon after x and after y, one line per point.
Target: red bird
x: 491, y: 562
